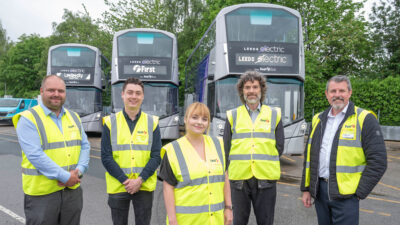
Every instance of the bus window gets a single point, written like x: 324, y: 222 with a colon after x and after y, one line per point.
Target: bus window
x: 286, y: 93
x: 262, y: 25
x: 22, y: 105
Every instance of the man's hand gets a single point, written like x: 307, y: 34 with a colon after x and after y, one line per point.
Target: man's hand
x: 228, y: 216
x: 306, y: 199
x: 133, y: 185
x: 74, y: 179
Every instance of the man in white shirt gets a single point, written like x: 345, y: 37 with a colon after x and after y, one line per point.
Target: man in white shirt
x: 344, y: 159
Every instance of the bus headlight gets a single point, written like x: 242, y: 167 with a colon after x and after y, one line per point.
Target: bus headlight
x: 303, y: 128
x: 98, y: 115
x: 175, y: 120
x: 220, y: 128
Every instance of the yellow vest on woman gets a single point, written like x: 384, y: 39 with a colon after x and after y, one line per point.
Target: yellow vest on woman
x: 131, y: 151
x: 62, y: 147
x: 350, y: 158
x: 199, y: 194
x: 253, y: 150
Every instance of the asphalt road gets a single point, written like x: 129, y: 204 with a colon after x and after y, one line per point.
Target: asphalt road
x: 381, y: 207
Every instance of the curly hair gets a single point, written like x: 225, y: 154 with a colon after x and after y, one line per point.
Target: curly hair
x: 251, y: 76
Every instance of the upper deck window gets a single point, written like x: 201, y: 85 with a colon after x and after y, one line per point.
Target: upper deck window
x: 262, y: 25
x: 144, y: 44
x: 73, y: 57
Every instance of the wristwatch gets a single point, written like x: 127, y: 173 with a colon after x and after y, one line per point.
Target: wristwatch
x: 228, y: 207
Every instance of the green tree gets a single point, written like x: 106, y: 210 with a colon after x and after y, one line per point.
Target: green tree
x: 21, y: 68
x: 5, y: 42
x: 385, y: 31
x: 79, y: 27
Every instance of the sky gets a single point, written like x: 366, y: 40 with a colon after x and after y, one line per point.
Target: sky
x: 36, y: 16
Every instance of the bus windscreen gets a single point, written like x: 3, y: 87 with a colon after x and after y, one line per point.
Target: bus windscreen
x: 263, y: 39
x: 74, y: 64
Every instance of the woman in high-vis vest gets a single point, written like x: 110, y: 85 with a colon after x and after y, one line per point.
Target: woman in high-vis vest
x: 196, y: 189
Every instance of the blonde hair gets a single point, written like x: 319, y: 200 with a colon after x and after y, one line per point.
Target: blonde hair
x: 200, y: 109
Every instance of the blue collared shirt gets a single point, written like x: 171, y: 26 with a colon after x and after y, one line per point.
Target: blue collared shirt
x: 253, y: 114
x: 29, y: 140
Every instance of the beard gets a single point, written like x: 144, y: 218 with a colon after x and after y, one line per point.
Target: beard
x: 338, y: 106
x: 253, y: 101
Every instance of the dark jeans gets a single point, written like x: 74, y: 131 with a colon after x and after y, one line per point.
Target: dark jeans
x: 58, y: 208
x: 335, y: 212
x: 260, y: 193
x: 142, y: 202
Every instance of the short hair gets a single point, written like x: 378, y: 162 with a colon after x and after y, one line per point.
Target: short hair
x: 251, y: 76
x: 133, y: 80
x: 199, y: 108
x: 338, y: 79
x: 48, y: 77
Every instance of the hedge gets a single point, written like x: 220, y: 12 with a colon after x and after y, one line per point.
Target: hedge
x: 380, y: 96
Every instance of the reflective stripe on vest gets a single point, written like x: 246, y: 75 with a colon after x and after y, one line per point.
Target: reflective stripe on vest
x: 253, y: 146
x: 63, y: 148
x: 54, y: 145
x: 187, y: 181
x: 131, y: 150
x: 199, y: 193
x: 128, y: 147
x: 350, y: 161
x: 35, y: 172
x: 200, y: 209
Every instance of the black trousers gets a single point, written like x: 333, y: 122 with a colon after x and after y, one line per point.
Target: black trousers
x: 142, y: 202
x: 335, y: 212
x: 260, y: 193
x: 59, y: 208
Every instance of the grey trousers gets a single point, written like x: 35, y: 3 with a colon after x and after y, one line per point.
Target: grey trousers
x: 59, y: 208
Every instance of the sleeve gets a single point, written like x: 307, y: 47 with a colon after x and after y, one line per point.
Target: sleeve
x: 280, y: 138
x: 375, y: 155
x: 29, y: 141
x: 227, y: 141
x: 166, y: 173
x: 303, y: 176
x: 155, y: 157
x: 107, y: 159
x: 84, y: 157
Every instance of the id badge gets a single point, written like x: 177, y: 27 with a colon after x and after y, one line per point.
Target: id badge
x: 348, y: 135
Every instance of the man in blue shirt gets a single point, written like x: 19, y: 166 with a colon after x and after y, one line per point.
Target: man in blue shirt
x: 55, y: 154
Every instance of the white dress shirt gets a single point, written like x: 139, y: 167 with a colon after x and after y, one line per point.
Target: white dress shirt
x: 330, y: 130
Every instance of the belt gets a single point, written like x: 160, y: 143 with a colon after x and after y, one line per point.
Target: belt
x: 323, y: 179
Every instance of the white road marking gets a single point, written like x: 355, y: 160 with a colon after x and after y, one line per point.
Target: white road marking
x: 12, y: 214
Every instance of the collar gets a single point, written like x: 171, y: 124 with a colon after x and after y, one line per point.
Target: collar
x: 127, y: 117
x: 342, y: 112
x: 258, y: 107
x: 47, y: 111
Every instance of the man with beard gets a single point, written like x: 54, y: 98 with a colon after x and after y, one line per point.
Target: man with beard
x: 344, y: 159
x: 253, y: 141
x: 55, y: 154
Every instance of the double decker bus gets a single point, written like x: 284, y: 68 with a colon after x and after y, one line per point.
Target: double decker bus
x: 151, y: 56
x: 81, y: 67
x: 255, y: 36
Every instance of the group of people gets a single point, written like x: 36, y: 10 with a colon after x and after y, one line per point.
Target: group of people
x: 206, y: 180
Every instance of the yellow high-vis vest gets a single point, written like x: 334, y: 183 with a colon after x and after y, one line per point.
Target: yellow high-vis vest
x: 131, y: 151
x: 350, y: 159
x: 253, y: 147
x: 199, y: 194
x: 62, y: 147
